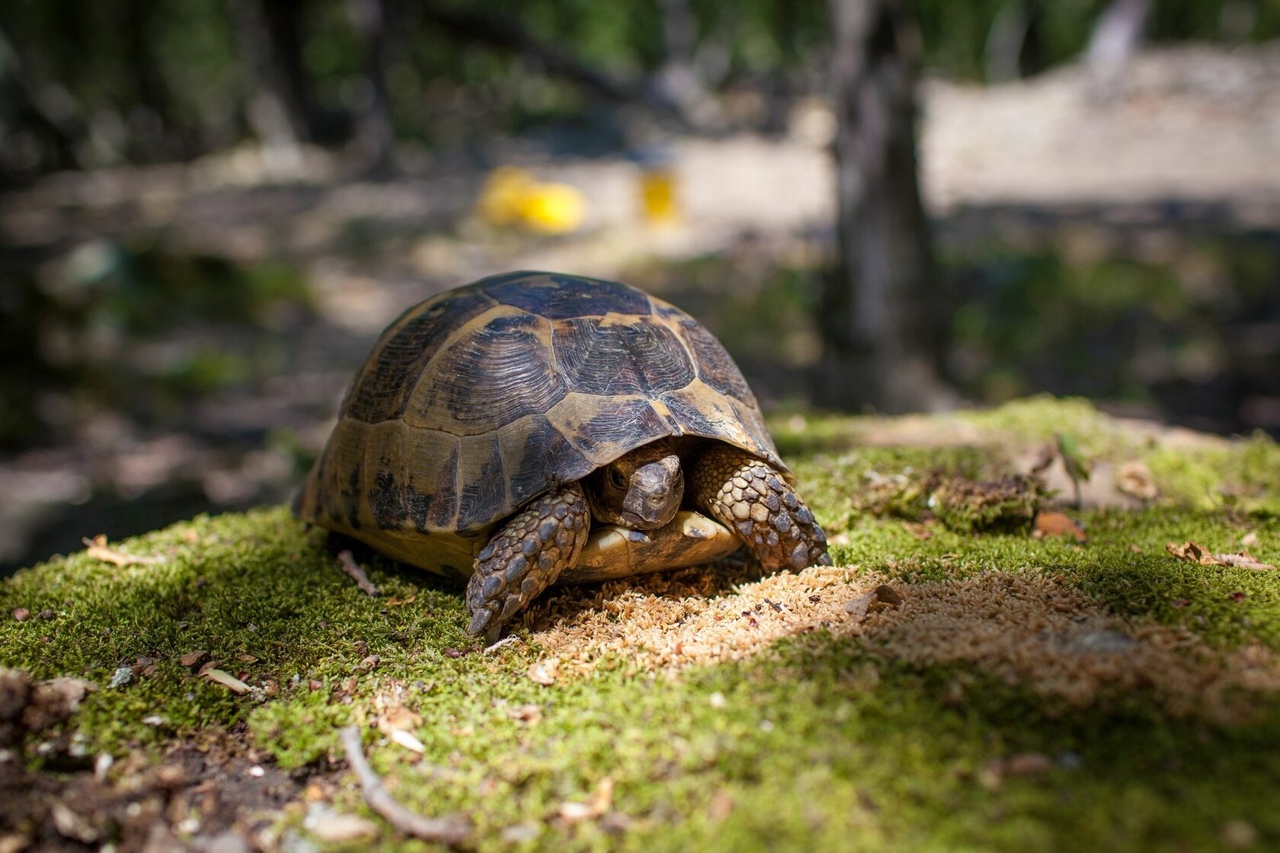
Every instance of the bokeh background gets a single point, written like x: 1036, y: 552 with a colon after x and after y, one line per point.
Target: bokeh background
x: 209, y: 209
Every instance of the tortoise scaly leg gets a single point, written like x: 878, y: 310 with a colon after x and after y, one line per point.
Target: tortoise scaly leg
x: 525, y: 556
x: 752, y: 499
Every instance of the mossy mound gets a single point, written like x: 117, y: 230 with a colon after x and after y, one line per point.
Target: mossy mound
x: 1014, y: 692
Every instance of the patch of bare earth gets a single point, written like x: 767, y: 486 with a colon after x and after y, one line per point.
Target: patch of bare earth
x: 1029, y: 629
x: 210, y: 793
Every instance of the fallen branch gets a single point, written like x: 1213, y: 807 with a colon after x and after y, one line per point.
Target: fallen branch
x: 448, y: 830
x: 351, y: 567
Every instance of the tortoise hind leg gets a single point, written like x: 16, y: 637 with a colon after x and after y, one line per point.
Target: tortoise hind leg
x: 752, y: 499
x: 525, y: 556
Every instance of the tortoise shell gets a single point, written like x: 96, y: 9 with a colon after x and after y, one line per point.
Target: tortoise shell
x: 479, y: 399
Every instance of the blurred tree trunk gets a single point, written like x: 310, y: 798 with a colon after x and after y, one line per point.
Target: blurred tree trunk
x: 879, y: 341
x: 678, y: 81
x: 269, y: 35
x: 152, y: 117
x: 1013, y: 47
x: 1116, y: 36
x: 374, y: 130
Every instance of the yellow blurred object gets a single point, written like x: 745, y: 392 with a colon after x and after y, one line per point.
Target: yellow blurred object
x: 512, y: 197
x: 658, y: 196
x: 553, y: 209
x: 501, y: 195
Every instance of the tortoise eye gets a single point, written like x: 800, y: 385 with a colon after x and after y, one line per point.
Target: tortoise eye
x: 617, y: 478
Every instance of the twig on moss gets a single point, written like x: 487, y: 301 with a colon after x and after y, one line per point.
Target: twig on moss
x: 447, y: 830
x: 351, y: 567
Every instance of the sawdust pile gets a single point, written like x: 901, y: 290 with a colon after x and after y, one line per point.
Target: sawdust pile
x: 665, y: 624
x: 1028, y: 629
x: 1034, y: 630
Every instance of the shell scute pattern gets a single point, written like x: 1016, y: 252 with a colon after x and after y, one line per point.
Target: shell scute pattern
x: 562, y: 297
x: 484, y: 487
x: 494, y: 373
x: 639, y: 357
x: 478, y: 400
x: 383, y: 388
x: 715, y: 367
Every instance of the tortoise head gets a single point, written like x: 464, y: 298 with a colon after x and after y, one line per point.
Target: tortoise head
x: 641, y: 490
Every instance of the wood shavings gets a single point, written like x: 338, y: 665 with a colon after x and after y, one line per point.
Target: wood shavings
x: 1029, y: 628
x: 1036, y: 630
x: 349, y: 565
x: 667, y: 624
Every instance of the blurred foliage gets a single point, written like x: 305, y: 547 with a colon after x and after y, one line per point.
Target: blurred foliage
x: 1181, y: 331
x: 1178, y: 323
x: 139, y: 330
x: 84, y: 84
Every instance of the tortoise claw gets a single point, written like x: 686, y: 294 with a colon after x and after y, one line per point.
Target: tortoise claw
x: 751, y: 498
x: 526, y: 556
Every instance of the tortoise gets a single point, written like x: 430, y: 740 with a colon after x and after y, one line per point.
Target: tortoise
x: 535, y: 427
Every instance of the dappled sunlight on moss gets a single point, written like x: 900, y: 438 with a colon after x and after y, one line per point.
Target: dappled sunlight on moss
x: 1024, y: 691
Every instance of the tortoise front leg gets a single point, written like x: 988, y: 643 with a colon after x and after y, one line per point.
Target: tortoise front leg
x: 752, y: 499
x: 525, y: 556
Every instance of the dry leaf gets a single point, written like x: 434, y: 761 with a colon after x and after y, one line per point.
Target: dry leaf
x: 600, y: 803
x: 1243, y: 560
x: 887, y: 596
x: 918, y: 529
x: 1186, y: 551
x: 341, y: 828
x: 1249, y: 540
x: 721, y: 806
x: 1238, y: 835
x: 227, y: 680
x: 1049, y: 523
x: 857, y: 608
x: 193, y: 658
x: 1136, y: 480
x: 545, y: 671
x: 530, y: 714
x: 1027, y: 764
x: 98, y: 550
x: 1194, y: 553
x: 408, y: 741
x: 71, y: 825
x: 398, y: 717
x: 883, y: 594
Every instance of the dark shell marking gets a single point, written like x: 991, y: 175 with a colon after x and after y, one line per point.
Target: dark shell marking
x: 480, y: 399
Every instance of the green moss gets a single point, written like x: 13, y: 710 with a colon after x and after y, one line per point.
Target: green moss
x: 818, y: 743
